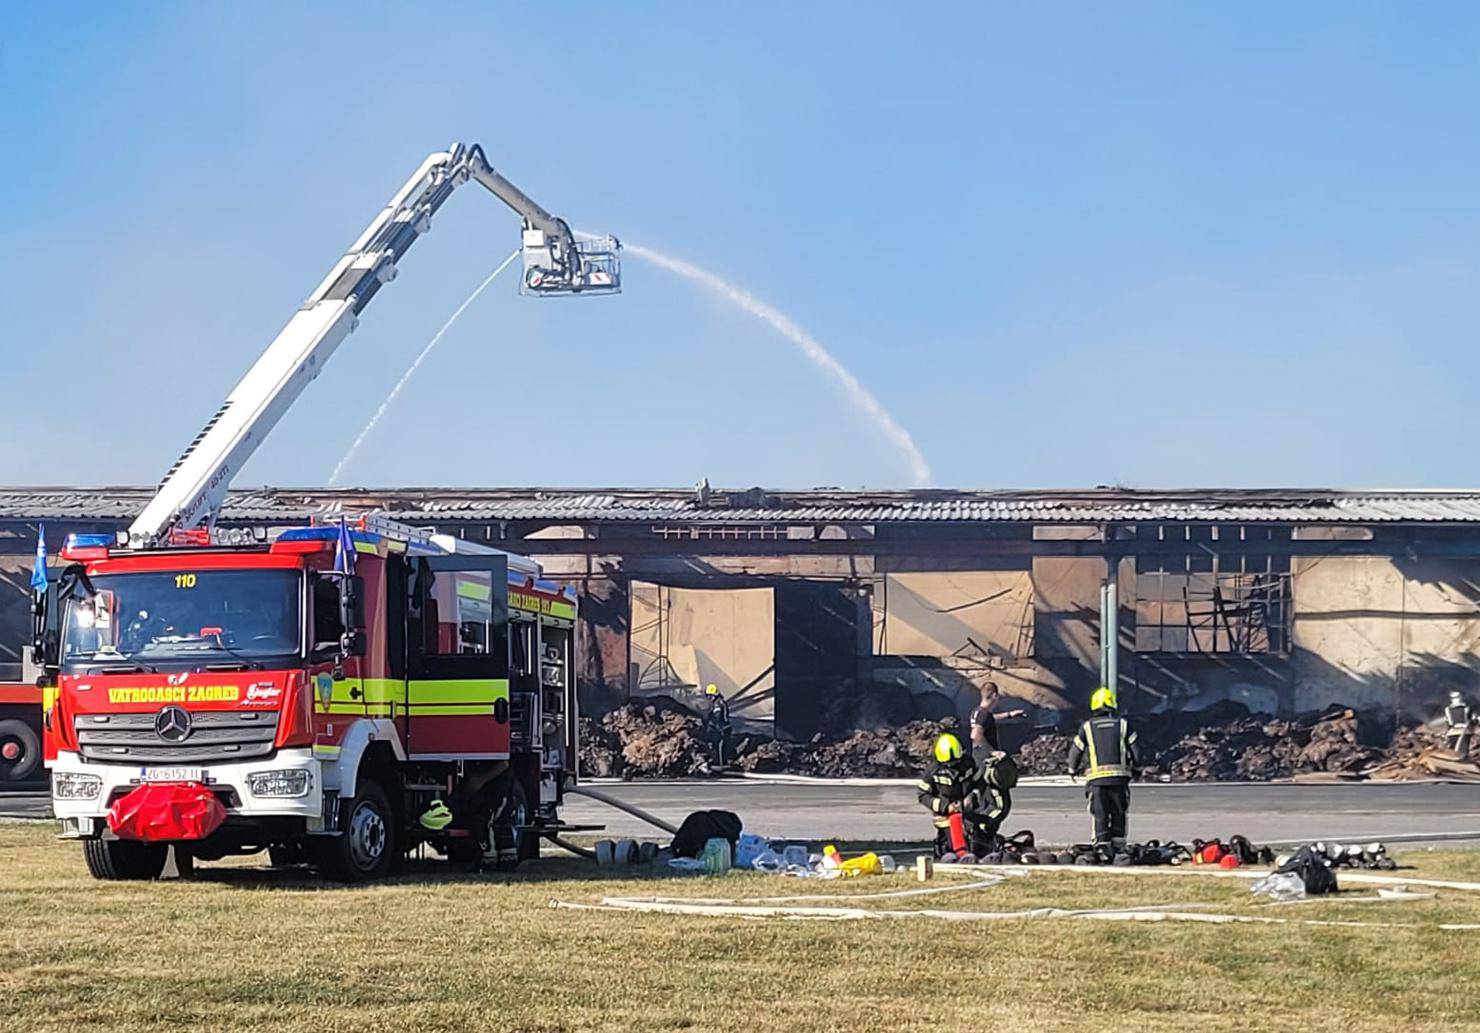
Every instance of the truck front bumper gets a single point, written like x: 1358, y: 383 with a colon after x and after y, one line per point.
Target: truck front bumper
x: 85, y: 819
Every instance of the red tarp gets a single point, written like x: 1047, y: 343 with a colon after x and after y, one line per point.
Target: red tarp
x: 167, y: 811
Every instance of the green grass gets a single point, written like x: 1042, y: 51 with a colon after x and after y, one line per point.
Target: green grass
x: 246, y: 948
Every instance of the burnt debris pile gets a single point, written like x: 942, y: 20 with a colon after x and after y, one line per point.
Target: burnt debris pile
x: 658, y: 737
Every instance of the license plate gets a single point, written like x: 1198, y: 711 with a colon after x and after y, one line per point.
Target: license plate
x: 172, y: 775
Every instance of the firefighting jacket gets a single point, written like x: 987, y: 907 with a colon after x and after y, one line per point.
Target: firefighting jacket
x: 1457, y: 716
x: 949, y: 785
x: 1108, y: 745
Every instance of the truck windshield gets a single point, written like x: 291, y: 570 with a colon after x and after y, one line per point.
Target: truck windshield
x: 207, y: 616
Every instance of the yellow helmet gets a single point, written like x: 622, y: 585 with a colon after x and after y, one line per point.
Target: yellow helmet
x: 1103, y: 699
x: 947, y: 748
x: 711, y: 689
x: 436, y: 817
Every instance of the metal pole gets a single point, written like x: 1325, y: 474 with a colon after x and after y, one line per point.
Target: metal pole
x: 1110, y: 625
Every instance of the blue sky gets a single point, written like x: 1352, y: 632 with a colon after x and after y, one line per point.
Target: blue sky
x: 1155, y: 245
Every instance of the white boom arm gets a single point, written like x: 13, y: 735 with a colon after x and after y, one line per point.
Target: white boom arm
x: 554, y: 263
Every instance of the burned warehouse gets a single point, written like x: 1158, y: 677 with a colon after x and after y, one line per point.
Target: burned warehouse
x: 862, y: 621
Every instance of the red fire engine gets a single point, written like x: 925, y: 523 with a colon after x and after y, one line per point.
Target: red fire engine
x: 335, y: 694
x: 20, y: 730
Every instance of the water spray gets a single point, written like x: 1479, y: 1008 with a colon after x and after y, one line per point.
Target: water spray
x: 815, y: 353
x: 411, y: 370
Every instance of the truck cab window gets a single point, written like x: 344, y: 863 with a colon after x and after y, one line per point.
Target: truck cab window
x: 326, y: 624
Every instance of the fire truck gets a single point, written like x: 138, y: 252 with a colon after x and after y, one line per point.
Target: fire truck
x: 20, y: 726
x: 336, y: 694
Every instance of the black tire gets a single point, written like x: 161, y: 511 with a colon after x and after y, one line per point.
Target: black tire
x: 184, y: 861
x: 116, y: 859
x: 366, y: 848
x: 20, y: 752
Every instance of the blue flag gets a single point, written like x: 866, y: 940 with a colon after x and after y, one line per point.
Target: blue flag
x: 344, y: 551
x: 38, y: 572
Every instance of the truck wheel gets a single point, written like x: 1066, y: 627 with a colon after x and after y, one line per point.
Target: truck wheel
x: 123, y: 859
x: 366, y: 848
x: 20, y: 752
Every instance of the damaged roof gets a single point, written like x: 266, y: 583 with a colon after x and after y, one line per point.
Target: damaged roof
x: 761, y: 506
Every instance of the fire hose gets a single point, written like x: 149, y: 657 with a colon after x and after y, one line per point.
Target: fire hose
x: 636, y: 812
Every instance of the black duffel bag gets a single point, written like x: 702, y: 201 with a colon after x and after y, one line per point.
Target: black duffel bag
x: 702, y: 826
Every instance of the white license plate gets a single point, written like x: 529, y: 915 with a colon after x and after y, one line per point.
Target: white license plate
x: 172, y: 775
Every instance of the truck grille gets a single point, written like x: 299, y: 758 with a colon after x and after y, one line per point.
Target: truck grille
x: 214, y: 735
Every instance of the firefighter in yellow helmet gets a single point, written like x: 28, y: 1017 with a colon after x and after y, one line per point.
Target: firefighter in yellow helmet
x: 717, y: 727
x: 947, y: 788
x: 1105, y: 749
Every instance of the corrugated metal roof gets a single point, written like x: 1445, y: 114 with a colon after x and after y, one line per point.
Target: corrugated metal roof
x: 753, y: 506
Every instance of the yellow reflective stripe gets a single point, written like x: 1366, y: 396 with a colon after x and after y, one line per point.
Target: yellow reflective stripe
x: 1095, y: 769
x: 467, y: 588
x: 326, y: 751
x: 457, y: 691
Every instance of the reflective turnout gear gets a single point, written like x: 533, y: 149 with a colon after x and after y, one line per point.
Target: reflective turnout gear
x: 945, y: 789
x: 947, y: 748
x: 1106, y: 747
x: 1103, y: 699
x: 717, y: 727
x: 1109, y: 806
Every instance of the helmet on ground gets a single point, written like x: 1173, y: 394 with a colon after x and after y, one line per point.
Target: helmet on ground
x: 436, y: 817
x: 711, y: 689
x: 947, y: 748
x: 1103, y: 699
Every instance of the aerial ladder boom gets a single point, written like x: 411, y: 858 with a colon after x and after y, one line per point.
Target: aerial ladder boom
x: 555, y: 263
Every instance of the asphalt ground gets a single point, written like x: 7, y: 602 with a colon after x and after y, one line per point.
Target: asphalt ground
x: 1266, y: 813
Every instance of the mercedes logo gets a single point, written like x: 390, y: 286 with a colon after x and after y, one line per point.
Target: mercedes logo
x: 172, y: 724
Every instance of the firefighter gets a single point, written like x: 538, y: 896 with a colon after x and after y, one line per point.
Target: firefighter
x: 989, y: 802
x: 1460, y: 721
x: 717, y: 727
x: 1108, y: 745
x: 948, y: 789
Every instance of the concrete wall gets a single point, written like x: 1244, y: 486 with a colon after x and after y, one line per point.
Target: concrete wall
x: 683, y: 639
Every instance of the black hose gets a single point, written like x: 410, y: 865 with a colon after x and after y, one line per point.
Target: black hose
x: 579, y: 851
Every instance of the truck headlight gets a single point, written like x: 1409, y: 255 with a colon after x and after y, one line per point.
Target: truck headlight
x: 291, y: 782
x: 73, y: 785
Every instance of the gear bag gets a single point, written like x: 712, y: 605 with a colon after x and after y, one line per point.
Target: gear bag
x: 1313, y: 871
x: 702, y: 826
